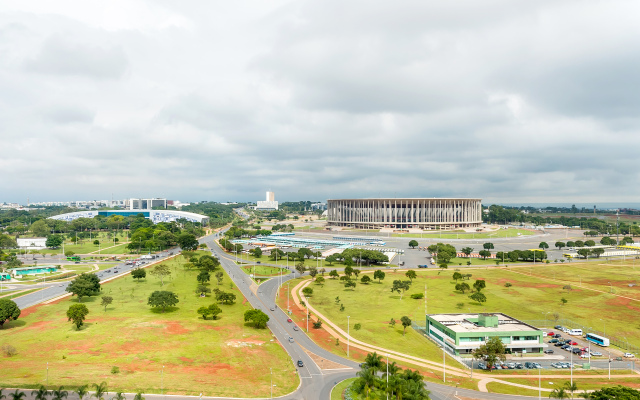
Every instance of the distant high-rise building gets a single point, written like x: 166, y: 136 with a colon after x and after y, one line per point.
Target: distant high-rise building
x: 269, y: 205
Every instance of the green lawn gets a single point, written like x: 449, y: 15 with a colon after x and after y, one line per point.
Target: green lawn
x: 497, y: 387
x: 264, y: 270
x: 225, y: 357
x: 529, y: 298
x: 336, y: 393
x: 502, y: 233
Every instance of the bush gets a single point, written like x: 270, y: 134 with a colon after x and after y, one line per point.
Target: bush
x: 115, y: 370
x: 417, y: 296
x: 357, y: 326
x: 317, y: 324
x: 508, y: 284
x: 8, y: 350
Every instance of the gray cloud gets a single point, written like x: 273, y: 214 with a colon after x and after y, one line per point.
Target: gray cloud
x: 505, y: 100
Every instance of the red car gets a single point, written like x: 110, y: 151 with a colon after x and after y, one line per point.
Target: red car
x: 551, y: 334
x: 574, y: 343
x: 289, y: 320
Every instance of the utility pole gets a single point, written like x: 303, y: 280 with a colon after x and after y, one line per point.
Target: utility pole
x: 348, y: 335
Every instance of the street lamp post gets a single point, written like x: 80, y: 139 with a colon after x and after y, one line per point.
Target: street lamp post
x: 387, y: 376
x: 162, y: 381
x: 271, y: 385
x: 47, y: 373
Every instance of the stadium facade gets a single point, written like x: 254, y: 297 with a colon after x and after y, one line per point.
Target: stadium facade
x: 154, y: 215
x: 421, y: 213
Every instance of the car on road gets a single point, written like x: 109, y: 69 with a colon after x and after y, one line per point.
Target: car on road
x: 548, y: 351
x: 273, y: 308
x: 289, y: 320
x: 295, y: 328
x: 300, y: 363
x: 596, y: 353
x: 629, y: 355
x: 290, y: 339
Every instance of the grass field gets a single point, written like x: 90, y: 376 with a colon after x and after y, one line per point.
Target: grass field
x: 336, y: 393
x: 224, y: 357
x: 264, y: 270
x: 502, y: 233
x: 529, y: 298
x: 497, y: 387
x: 583, y: 384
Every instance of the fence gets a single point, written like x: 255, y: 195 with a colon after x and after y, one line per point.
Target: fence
x: 621, y: 343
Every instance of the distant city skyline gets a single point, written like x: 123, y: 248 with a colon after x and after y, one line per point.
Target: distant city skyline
x: 508, y: 101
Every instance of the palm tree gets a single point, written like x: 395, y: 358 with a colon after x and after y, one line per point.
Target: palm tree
x: 101, y: 389
x: 59, y: 394
x: 17, y: 395
x: 393, y: 369
x: 41, y: 393
x: 559, y: 393
x: 119, y: 396
x: 368, y: 377
x: 82, y: 391
x: 572, y: 387
x: 373, y: 361
x: 2, y: 396
x: 138, y: 396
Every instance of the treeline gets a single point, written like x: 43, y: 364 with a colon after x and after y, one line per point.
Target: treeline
x: 219, y: 214
x: 503, y: 215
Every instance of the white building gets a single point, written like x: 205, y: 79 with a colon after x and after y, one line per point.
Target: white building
x: 32, y: 243
x: 269, y: 205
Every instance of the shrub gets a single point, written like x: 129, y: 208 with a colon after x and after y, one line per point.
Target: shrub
x: 8, y: 350
x: 417, y: 296
x: 508, y: 284
x: 115, y: 370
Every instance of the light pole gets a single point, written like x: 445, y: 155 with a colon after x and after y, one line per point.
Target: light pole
x: 47, y: 373
x: 162, y: 381
x: 444, y: 368
x: 288, y: 296
x: 387, y: 376
x: 610, y: 287
x: 271, y: 385
x: 348, y: 335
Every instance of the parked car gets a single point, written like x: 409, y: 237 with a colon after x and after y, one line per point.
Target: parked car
x: 482, y: 365
x: 529, y: 365
x: 519, y: 366
x: 618, y: 358
x: 576, y: 350
x: 573, y: 343
x: 629, y: 355
x: 548, y: 351
x: 553, y: 341
x: 558, y: 344
x: 559, y: 327
x: 596, y: 353
x: 551, y: 334
x: 565, y: 347
x: 557, y: 335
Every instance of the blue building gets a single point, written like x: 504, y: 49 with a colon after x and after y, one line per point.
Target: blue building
x: 42, y: 269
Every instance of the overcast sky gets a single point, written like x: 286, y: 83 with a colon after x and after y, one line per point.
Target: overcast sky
x: 509, y: 101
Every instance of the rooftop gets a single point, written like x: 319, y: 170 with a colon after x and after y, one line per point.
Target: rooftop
x: 468, y: 323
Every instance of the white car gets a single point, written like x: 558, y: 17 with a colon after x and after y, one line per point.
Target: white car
x: 596, y: 353
x: 629, y: 355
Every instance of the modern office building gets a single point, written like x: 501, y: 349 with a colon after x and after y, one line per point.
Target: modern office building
x: 463, y: 333
x: 154, y: 215
x: 145, y: 204
x: 419, y: 213
x: 269, y: 205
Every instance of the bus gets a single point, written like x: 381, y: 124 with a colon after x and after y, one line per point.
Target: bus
x: 597, y: 339
x: 73, y: 258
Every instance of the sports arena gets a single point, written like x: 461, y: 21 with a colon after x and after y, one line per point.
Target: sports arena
x: 422, y: 213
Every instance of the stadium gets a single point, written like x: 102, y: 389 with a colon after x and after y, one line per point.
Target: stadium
x: 420, y: 213
x: 154, y: 215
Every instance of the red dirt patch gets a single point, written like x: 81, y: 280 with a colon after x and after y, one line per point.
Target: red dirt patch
x: 175, y: 328
x: 622, y: 302
x: 30, y: 310
x: 38, y: 325
x: 186, y: 360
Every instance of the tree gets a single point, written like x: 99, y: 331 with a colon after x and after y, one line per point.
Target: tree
x: 560, y: 245
x: 559, y: 393
x: 571, y: 243
x: 365, y: 279
x: 187, y: 241
x: 163, y: 299
x: 543, y: 245
x: 59, y: 393
x: 17, y: 395
x: 82, y: 391
x: 77, y: 313
x: 160, y: 271
x: 138, y: 273
x: 214, y: 310
x: 258, y: 318
x: 138, y: 396
x: 54, y: 241
x: 41, y: 394
x: 413, y: 244
x: 40, y: 228
x: 584, y: 252
x: 478, y: 297
x: 564, y: 301
x: 589, y: 243
x: 219, y: 277
x: 571, y: 386
x: 9, y: 311
x: 257, y: 252
x: 492, y: 351
x: 84, y: 285
x: 99, y: 390
x: 618, y: 392
x: 406, y: 321
x: 457, y: 275
x: 392, y: 323
x: 333, y: 273
x: 202, y: 289
x: 479, y: 285
x: 484, y: 254
x: 224, y: 297
x: 598, y: 252
x: 307, y: 291
x: 348, y: 270
x: 467, y: 251
x: 442, y: 267
x: 313, y: 271
x: 350, y: 284
x: 606, y: 241
x: 204, y: 311
x: 319, y: 280
x: 488, y: 246
x: 106, y: 300
x: 119, y: 395
x: 203, y: 277
x: 579, y: 243
x: 411, y: 274
x: 379, y: 275
x: 400, y: 287
x: 300, y: 268
x: 462, y: 287
x: 96, y: 242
